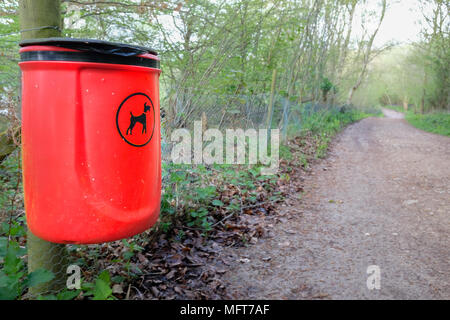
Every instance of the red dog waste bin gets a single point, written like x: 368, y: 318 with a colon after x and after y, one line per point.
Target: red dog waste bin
x: 90, y: 139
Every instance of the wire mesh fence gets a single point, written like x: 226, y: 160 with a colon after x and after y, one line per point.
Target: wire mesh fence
x: 223, y: 111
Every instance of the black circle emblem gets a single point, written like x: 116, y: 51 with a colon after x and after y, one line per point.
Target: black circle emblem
x: 135, y: 119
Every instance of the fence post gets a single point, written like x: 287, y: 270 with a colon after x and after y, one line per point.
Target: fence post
x: 285, y: 119
x: 270, y: 106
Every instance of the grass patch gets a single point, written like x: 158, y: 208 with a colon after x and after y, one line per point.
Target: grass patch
x: 436, y: 122
x: 324, y: 124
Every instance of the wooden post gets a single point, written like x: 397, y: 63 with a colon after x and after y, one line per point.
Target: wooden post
x: 42, y: 19
x: 270, y: 106
x: 422, y: 102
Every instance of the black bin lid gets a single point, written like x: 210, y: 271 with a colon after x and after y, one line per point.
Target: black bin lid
x: 89, y: 50
x: 92, y: 45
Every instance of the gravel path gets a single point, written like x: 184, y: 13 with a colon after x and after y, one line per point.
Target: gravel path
x: 382, y: 197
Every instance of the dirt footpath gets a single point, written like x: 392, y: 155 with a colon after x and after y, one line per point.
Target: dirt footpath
x: 382, y: 197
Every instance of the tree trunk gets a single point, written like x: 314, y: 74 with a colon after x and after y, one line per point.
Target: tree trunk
x: 351, y: 93
x: 42, y: 19
x: 422, y: 103
x: 270, y: 106
x: 367, y: 54
x: 405, y: 103
x: 324, y: 96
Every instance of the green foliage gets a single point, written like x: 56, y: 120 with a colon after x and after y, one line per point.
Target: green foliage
x: 192, y: 194
x: 324, y: 123
x: 436, y: 122
x: 328, y: 121
x: 132, y: 247
x: 326, y: 85
x: 285, y: 152
x: 10, y: 186
x: 9, y: 36
x: 63, y: 295
x: 415, y: 74
x: 100, y: 289
x: 14, y: 279
x: 303, y: 161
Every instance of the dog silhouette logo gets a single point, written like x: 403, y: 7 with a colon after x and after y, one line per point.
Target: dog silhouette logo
x: 135, y: 119
x: 141, y: 119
